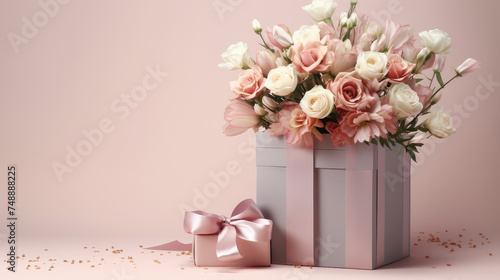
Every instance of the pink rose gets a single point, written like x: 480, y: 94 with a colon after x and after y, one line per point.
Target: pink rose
x: 350, y: 92
x: 313, y: 57
x: 299, y: 127
x: 249, y: 84
x: 399, y: 69
x: 240, y: 117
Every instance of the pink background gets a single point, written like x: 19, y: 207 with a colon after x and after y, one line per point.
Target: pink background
x: 133, y: 186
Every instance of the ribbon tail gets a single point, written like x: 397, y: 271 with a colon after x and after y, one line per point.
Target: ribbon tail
x: 227, y: 249
x: 172, y: 246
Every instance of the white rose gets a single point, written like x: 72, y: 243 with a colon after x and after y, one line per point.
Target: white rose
x: 306, y: 34
x: 372, y: 65
x: 404, y: 100
x: 320, y: 9
x: 436, y: 41
x: 281, y: 81
x: 440, y: 124
x: 317, y: 102
x: 236, y: 57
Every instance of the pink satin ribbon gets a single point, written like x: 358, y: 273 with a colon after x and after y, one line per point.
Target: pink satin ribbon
x: 246, y: 222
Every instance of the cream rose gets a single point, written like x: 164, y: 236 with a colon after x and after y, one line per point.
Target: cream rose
x: 404, y: 100
x: 318, y: 102
x: 236, y: 57
x: 320, y: 9
x: 436, y: 41
x: 282, y: 80
x: 440, y: 124
x: 306, y: 34
x: 372, y: 65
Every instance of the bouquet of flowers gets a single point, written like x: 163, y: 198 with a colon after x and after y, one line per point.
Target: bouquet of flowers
x: 354, y: 79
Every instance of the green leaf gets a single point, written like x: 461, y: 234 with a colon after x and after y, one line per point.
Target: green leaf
x: 412, y: 155
x: 439, y: 79
x: 418, y: 80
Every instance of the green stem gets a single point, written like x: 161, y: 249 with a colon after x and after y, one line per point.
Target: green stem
x: 432, y: 79
x: 432, y: 97
x: 264, y: 41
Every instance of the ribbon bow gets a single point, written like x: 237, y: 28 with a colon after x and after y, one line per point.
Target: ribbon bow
x: 246, y: 222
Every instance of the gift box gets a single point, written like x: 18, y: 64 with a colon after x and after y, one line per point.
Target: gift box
x: 336, y: 207
x: 243, y: 239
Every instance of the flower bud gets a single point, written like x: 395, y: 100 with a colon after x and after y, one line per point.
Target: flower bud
x: 423, y: 54
x: 269, y: 102
x: 257, y: 28
x: 343, y: 19
x: 352, y: 21
x: 468, y: 66
x: 259, y: 110
x: 439, y: 63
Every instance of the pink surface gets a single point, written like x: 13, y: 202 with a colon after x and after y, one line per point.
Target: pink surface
x: 167, y: 154
x: 299, y: 205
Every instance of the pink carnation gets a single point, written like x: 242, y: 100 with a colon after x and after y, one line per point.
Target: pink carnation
x: 313, y: 57
x: 363, y: 126
x: 240, y: 117
x: 250, y: 83
x: 299, y: 127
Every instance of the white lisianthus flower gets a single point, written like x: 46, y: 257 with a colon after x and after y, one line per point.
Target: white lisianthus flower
x: 236, y: 57
x: 440, y: 123
x: 281, y: 81
x: 306, y: 34
x: 404, y: 101
x: 318, y: 102
x: 437, y: 41
x: 372, y: 65
x: 320, y: 10
x: 257, y: 28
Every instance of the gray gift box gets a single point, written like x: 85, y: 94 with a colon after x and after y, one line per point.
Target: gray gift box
x: 335, y: 207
